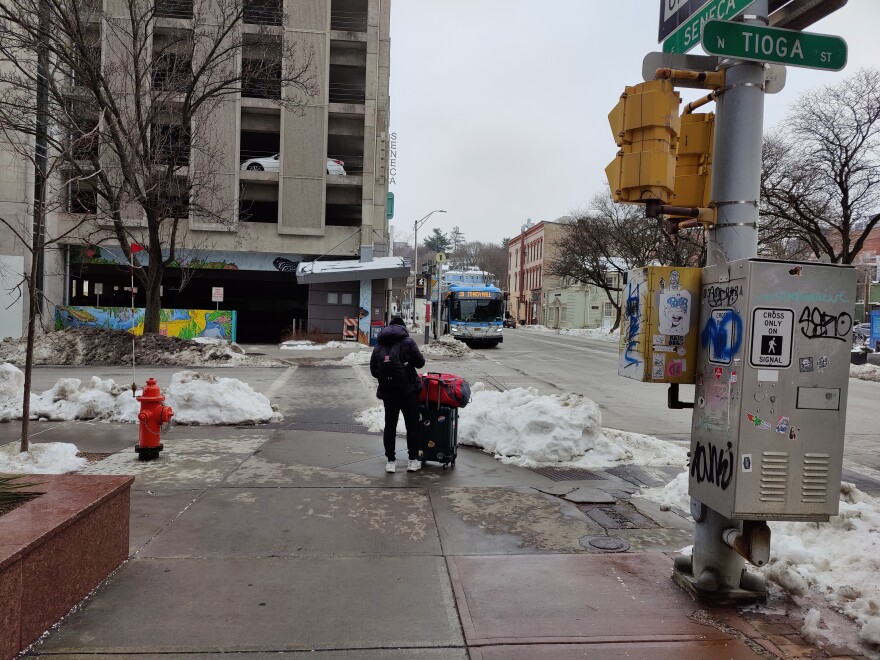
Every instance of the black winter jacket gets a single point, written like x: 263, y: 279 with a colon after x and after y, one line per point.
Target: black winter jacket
x: 410, y: 355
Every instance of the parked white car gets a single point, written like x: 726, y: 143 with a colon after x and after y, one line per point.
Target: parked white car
x: 273, y: 164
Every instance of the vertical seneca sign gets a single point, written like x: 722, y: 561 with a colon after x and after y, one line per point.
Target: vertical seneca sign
x: 682, y: 21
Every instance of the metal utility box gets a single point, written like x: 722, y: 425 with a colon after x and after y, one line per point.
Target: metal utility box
x: 771, y: 388
x: 659, y: 324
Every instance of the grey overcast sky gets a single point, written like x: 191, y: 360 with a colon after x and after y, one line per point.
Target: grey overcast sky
x: 500, y: 106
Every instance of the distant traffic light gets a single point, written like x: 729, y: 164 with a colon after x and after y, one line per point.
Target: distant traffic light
x: 646, y: 125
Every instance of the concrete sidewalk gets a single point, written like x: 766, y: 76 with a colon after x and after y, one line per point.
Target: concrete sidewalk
x: 293, y: 541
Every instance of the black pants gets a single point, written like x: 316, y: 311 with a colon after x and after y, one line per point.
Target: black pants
x: 409, y: 406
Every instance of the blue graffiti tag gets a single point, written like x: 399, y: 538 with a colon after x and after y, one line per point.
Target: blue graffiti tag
x: 632, y: 316
x: 723, y: 333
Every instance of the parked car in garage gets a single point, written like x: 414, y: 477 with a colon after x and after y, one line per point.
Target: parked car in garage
x: 273, y: 164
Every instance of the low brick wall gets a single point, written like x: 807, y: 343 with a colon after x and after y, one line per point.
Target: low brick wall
x: 55, y: 549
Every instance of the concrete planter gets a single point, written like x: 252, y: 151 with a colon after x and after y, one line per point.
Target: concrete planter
x: 55, y: 549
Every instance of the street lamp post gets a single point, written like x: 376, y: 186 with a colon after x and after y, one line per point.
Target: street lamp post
x: 416, y: 225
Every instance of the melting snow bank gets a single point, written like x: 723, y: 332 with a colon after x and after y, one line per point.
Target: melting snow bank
x: 195, y: 397
x: 447, y: 346
x: 44, y: 458
x: 524, y: 428
x: 865, y: 372
x: 591, y: 333
x: 838, y: 559
x: 308, y: 345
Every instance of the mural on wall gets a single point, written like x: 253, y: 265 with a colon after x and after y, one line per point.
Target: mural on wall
x: 203, y: 259
x: 366, y: 300
x: 183, y: 323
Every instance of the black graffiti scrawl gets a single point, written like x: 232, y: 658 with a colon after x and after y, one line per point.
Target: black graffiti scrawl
x: 818, y: 324
x: 709, y: 463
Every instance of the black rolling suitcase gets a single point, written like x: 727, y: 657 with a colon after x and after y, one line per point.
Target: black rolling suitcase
x: 438, y: 434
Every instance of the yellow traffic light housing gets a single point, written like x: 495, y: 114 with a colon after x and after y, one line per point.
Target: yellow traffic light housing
x: 693, y: 168
x: 645, y: 124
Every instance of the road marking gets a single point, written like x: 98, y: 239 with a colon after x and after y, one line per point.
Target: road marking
x: 863, y: 470
x: 564, y: 344
x: 362, y: 374
x: 279, y: 382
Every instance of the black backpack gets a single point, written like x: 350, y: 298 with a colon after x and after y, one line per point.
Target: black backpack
x: 393, y: 376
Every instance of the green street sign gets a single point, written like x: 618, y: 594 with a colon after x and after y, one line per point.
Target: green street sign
x: 765, y: 44
x: 687, y: 35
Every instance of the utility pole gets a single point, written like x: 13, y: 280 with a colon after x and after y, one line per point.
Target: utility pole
x: 736, y: 187
x: 416, y: 225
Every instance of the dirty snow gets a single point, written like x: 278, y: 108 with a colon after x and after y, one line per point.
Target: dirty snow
x: 839, y: 559
x: 447, y: 347
x: 98, y: 346
x: 591, y: 333
x: 356, y: 358
x: 43, y: 458
x: 865, y: 372
x: 522, y: 427
x: 195, y: 398
x: 308, y: 345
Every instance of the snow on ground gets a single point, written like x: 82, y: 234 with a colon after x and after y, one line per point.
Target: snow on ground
x: 88, y: 346
x: 43, y: 458
x: 360, y: 357
x: 308, y: 345
x: 839, y: 559
x: 195, y: 398
x: 525, y: 428
x: 591, y: 333
x: 445, y: 347
x: 865, y: 372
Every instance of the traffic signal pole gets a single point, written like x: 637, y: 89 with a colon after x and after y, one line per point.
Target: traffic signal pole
x: 736, y: 185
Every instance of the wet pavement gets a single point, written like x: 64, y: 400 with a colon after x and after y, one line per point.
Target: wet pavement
x: 263, y: 541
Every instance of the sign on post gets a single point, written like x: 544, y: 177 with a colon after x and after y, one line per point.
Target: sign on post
x: 690, y: 27
x: 772, y: 332
x: 217, y: 295
x: 765, y: 44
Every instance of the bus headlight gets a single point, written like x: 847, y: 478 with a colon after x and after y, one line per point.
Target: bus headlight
x: 498, y: 329
x: 454, y: 329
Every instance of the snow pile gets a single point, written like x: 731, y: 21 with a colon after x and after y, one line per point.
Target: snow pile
x: 88, y: 346
x: 199, y: 398
x: 308, y: 345
x: 591, y: 333
x: 838, y: 559
x: 447, y: 347
x: 525, y: 428
x: 359, y: 357
x: 865, y: 372
x: 44, y: 458
x: 195, y: 398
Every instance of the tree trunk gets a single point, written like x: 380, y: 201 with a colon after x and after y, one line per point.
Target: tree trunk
x: 29, y: 355
x: 154, y: 302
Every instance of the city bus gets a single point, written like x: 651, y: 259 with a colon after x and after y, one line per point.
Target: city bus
x: 474, y: 314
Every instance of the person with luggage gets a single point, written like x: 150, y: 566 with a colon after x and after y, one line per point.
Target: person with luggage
x: 393, y: 363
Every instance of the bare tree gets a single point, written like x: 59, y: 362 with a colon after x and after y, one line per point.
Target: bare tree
x: 138, y: 100
x: 29, y: 232
x: 820, y: 183
x: 599, y: 245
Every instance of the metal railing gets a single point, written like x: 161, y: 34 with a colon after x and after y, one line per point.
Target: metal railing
x: 353, y: 164
x: 174, y: 8
x: 262, y: 12
x: 347, y: 92
x: 348, y: 21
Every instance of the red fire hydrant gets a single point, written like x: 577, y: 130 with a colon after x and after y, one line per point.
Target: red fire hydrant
x: 152, y: 415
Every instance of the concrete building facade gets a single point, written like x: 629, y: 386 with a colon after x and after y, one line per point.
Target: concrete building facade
x: 575, y: 305
x: 528, y: 281
x: 279, y: 219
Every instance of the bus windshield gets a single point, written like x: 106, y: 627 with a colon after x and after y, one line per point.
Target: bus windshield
x: 479, y: 311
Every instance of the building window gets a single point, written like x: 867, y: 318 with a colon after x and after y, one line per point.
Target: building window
x: 332, y: 298
x: 345, y: 299
x: 608, y: 310
x: 563, y: 316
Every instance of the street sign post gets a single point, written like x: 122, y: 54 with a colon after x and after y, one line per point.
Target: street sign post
x: 765, y: 44
x: 687, y: 34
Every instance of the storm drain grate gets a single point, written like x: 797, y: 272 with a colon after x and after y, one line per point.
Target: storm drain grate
x: 618, y: 516
x: 566, y: 474
x: 313, y: 426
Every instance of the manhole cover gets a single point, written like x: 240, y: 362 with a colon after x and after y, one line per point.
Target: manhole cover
x: 606, y: 543
x: 563, y: 474
x: 618, y: 516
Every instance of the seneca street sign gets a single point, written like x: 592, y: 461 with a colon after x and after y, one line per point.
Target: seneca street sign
x: 764, y: 44
x: 690, y: 22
